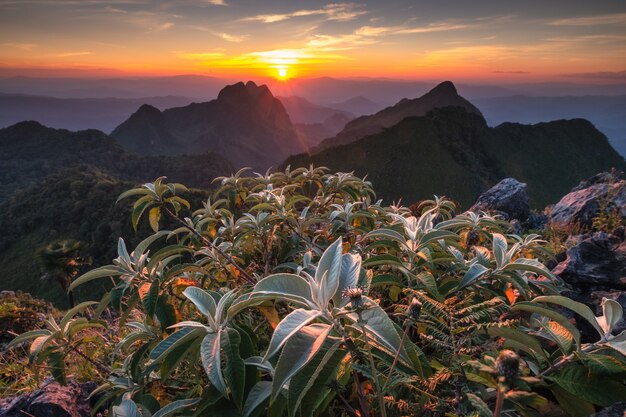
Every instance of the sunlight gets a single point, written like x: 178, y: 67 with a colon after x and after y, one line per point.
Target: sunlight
x: 282, y: 72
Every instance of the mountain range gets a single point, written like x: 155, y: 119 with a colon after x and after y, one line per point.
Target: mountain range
x: 245, y: 122
x: 443, y: 95
x: 29, y: 152
x: 56, y: 183
x: 443, y: 145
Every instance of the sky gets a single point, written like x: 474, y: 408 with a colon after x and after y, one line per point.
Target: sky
x: 505, y: 41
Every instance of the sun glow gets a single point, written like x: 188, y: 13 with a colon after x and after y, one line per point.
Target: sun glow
x: 282, y: 72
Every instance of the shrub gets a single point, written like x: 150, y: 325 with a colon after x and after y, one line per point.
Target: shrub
x: 297, y: 293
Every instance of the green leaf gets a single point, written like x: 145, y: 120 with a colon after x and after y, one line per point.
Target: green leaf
x: 327, y: 272
x: 161, y: 350
x: 210, y: 353
x: 203, y: 301
x: 479, y: 405
x: 379, y: 325
x: 348, y: 276
x: 102, y: 272
x: 612, y: 313
x: 548, y: 312
x: 577, y: 380
x: 257, y: 396
x: 56, y: 361
x: 284, y: 287
x: 524, y: 339
x: 317, y: 373
x: 473, y: 273
x: 500, y: 247
x: 297, y: 352
x: 572, y: 404
x: 71, y: 313
x: 127, y: 408
x: 288, y: 327
x: 575, y: 306
x: 33, y: 334
x: 235, y: 370
x: 604, y: 364
x: 175, y: 407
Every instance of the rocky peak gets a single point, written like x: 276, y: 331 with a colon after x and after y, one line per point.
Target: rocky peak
x: 444, y: 89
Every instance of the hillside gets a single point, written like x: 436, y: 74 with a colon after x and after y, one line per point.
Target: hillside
x: 245, y: 122
x: 453, y: 152
x: 443, y: 95
x: 74, y: 203
x: 30, y: 151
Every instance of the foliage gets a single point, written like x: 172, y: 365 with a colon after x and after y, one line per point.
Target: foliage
x: 296, y: 293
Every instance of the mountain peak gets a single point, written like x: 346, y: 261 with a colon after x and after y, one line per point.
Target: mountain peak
x: 445, y: 88
x: 240, y: 91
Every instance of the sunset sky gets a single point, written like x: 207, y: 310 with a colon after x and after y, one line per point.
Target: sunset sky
x: 473, y: 40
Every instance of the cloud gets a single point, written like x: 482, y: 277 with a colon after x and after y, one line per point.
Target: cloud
x: 602, y: 75
x: 161, y: 27
x: 217, y: 2
x: 334, y: 11
x: 230, y: 37
x: 604, y: 19
x: 368, y: 35
x: 22, y: 46
x: 70, y: 54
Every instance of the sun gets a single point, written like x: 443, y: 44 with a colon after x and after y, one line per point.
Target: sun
x: 282, y: 72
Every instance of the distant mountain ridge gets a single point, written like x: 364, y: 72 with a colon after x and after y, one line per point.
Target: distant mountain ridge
x: 452, y: 151
x: 29, y: 152
x: 443, y: 95
x: 77, y: 113
x: 245, y: 122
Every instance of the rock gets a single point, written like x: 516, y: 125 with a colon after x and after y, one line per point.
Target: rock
x: 615, y: 410
x: 51, y: 400
x: 598, y: 260
x: 583, y: 203
x: 508, y: 196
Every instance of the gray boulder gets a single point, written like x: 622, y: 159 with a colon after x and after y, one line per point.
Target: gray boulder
x: 614, y: 410
x: 51, y: 400
x: 598, y: 260
x: 508, y: 196
x: 583, y: 203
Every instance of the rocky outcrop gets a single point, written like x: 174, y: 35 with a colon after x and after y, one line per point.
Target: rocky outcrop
x: 597, y: 260
x: 508, y: 196
x: 51, y: 400
x: 605, y: 191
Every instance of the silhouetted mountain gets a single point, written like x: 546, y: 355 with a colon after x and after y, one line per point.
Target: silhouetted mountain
x: 442, y: 95
x: 452, y: 151
x: 77, y: 113
x: 607, y: 113
x: 30, y: 152
x: 359, y: 105
x: 301, y: 110
x: 245, y: 122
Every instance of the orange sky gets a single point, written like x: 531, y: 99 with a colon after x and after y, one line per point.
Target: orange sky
x: 479, y: 40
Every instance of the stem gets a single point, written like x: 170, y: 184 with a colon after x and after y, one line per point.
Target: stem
x: 98, y: 365
x: 499, y: 401
x: 379, y: 393
x: 564, y: 361
x: 359, y: 390
x: 395, y: 359
x: 207, y: 242
x: 345, y: 402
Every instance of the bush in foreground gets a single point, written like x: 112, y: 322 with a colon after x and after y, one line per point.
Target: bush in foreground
x: 297, y: 293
